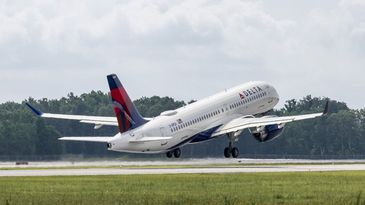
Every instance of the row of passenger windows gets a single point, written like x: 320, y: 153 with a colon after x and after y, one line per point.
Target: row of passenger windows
x: 207, y: 116
x: 247, y: 100
x: 196, y: 120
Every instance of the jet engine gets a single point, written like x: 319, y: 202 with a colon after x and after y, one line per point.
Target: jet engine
x: 268, y: 132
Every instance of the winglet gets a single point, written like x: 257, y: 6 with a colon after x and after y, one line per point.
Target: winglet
x: 326, y: 108
x: 37, y: 112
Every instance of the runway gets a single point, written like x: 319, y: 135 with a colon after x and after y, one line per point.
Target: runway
x: 191, y: 162
x: 208, y: 170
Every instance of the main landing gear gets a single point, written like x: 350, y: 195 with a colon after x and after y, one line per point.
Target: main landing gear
x: 230, y: 150
x: 176, y: 153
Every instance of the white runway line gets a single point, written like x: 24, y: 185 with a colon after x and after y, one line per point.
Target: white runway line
x: 136, y: 171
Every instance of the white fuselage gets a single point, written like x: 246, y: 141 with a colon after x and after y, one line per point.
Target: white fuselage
x: 183, y: 124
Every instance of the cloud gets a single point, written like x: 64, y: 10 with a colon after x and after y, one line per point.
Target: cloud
x: 179, y: 46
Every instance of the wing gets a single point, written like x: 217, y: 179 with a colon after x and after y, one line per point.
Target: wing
x: 243, y: 123
x: 86, y: 139
x: 98, y: 121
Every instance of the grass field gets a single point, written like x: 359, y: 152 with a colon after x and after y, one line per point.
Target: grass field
x: 253, y: 188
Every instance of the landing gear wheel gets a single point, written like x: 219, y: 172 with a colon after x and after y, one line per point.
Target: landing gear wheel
x: 227, y: 152
x: 235, y: 152
x: 168, y: 154
x: 177, y: 153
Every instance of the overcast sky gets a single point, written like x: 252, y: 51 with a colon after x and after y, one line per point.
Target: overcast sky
x: 183, y: 49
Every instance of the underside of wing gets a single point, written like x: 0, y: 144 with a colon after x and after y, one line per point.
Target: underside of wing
x: 86, y: 139
x: 244, y: 122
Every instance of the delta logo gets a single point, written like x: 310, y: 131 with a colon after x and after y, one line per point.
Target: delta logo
x: 250, y: 92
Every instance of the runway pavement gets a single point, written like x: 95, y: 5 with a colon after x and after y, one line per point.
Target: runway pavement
x: 220, y: 169
x: 172, y: 162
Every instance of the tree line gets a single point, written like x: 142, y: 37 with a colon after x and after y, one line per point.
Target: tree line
x: 340, y: 133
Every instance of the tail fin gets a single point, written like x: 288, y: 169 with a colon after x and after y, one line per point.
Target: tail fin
x: 125, y: 111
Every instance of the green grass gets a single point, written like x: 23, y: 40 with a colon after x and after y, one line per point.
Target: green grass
x: 252, y: 188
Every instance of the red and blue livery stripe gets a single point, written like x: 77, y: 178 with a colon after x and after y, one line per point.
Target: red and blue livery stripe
x: 125, y: 111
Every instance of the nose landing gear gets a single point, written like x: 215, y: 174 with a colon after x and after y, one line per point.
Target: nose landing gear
x: 176, y: 153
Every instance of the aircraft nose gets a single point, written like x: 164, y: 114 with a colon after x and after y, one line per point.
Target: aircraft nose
x: 274, y: 94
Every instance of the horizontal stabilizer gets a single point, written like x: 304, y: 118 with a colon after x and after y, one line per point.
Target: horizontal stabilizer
x: 149, y: 139
x: 86, y: 139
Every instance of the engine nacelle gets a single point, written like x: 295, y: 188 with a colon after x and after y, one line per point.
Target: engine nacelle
x: 268, y: 132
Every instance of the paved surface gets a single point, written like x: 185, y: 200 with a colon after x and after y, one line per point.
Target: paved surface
x: 133, y: 171
x: 207, y: 161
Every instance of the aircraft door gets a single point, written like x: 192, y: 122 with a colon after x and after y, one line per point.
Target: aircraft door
x: 225, y: 109
x: 163, y: 131
x: 163, y: 134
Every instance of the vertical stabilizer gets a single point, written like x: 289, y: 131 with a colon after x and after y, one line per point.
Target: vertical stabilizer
x: 125, y: 111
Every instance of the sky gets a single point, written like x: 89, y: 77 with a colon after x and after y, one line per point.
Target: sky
x: 186, y: 49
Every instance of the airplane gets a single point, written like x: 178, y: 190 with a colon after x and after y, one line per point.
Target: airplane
x: 227, y: 113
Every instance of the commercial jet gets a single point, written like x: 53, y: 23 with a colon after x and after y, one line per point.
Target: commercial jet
x: 224, y: 114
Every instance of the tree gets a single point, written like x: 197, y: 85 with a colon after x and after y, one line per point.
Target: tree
x: 22, y: 133
x: 46, y: 143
